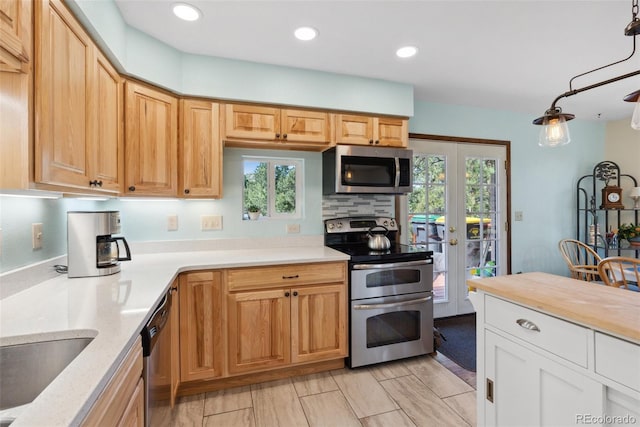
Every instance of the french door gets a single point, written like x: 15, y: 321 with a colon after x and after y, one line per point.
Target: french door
x: 458, y: 209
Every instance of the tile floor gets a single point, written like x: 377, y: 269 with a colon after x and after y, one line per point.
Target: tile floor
x: 422, y: 391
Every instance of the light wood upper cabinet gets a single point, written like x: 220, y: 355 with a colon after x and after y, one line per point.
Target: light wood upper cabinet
x: 64, y: 78
x: 78, y: 106
x: 248, y: 125
x: 15, y: 31
x: 200, y: 149
x: 151, y: 142
x: 201, y: 311
x: 367, y: 130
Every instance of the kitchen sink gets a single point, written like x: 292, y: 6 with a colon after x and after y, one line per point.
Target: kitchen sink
x: 26, y: 369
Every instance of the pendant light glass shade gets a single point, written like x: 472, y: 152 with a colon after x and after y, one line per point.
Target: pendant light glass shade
x: 555, y: 131
x: 635, y: 119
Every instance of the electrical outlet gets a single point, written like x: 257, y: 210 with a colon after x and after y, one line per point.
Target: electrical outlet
x: 36, y: 235
x: 211, y: 222
x: 293, y: 228
x: 172, y: 222
x: 518, y: 216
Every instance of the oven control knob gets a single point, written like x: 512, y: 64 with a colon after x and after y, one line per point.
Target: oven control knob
x: 392, y: 223
x: 385, y: 223
x: 339, y: 225
x: 330, y: 226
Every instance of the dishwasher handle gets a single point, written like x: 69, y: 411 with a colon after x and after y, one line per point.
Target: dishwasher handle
x: 158, y: 320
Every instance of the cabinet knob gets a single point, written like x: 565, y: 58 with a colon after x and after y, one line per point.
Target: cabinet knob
x: 187, y: 191
x: 99, y: 183
x: 92, y: 183
x: 371, y: 141
x: 132, y: 188
x: 286, y: 294
x: 295, y: 293
x: 377, y: 142
x: 284, y: 136
x: 277, y: 135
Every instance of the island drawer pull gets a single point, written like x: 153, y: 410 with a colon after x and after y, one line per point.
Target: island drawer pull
x: 291, y: 277
x: 528, y: 324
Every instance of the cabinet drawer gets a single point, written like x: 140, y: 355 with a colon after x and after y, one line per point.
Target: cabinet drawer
x: 285, y: 275
x: 618, y: 360
x: 557, y: 336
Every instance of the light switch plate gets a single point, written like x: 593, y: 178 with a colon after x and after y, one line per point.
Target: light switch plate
x: 36, y: 235
x: 211, y: 222
x: 518, y: 215
x: 172, y: 222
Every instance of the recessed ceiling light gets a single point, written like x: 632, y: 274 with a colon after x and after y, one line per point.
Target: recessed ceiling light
x: 186, y: 12
x: 305, y: 33
x: 406, y: 52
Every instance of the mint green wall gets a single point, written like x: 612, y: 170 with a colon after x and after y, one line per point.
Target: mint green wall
x: 145, y: 57
x: 542, y: 180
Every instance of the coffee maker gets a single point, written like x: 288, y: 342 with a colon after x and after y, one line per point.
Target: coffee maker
x: 92, y: 250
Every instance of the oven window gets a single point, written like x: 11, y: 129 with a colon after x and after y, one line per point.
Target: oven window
x: 393, y: 277
x: 393, y: 328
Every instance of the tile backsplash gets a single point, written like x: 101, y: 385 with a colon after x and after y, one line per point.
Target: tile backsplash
x: 341, y: 205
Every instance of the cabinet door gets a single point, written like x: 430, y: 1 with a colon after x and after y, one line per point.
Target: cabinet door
x: 15, y: 19
x: 318, y: 323
x: 259, y: 330
x: 107, y: 154
x: 151, y: 145
x: 305, y: 126
x: 529, y: 389
x: 200, y: 149
x: 134, y: 412
x: 392, y: 132
x: 352, y: 129
x: 64, y: 115
x: 200, y: 325
x: 252, y: 122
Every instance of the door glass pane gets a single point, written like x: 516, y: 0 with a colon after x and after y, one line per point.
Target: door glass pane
x: 427, y: 211
x: 481, y: 206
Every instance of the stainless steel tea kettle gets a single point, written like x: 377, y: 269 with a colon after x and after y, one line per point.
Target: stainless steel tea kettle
x: 378, y: 241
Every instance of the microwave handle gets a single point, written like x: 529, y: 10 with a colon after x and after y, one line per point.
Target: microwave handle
x: 126, y: 246
x: 397, y: 172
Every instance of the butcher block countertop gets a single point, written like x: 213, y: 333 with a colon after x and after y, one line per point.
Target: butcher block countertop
x: 603, y: 308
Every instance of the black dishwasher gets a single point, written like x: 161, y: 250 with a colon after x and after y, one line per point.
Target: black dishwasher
x: 156, y: 371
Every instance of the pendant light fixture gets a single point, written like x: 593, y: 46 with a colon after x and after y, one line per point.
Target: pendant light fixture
x: 555, y: 131
x: 635, y: 119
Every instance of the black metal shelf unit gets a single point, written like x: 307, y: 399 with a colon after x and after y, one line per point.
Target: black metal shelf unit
x: 593, y: 223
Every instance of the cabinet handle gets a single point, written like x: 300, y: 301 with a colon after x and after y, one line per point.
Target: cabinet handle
x: 489, y: 390
x: 295, y: 293
x: 187, y: 191
x: 172, y: 290
x: 528, y: 324
x: 132, y: 188
x: 286, y: 294
x: 291, y: 277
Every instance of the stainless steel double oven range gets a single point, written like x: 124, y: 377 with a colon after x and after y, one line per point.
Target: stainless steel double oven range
x: 390, y: 292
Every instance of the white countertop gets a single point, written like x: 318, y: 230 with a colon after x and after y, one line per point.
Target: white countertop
x: 113, y: 309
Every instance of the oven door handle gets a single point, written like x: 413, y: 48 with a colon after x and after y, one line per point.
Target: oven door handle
x: 391, y: 265
x: 391, y: 305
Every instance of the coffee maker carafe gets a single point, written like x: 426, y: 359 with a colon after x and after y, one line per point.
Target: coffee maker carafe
x: 92, y: 248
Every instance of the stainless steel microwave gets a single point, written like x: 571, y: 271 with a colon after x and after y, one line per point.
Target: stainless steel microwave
x: 354, y: 169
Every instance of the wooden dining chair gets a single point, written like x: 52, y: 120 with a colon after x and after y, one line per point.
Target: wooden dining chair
x: 581, y: 259
x: 621, y: 272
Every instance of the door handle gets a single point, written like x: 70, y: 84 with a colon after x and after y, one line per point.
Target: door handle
x: 453, y: 242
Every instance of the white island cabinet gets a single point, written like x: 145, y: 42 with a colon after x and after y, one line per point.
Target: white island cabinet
x: 554, y: 351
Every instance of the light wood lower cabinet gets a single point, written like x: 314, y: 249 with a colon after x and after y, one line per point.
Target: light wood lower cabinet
x: 297, y: 324
x: 122, y: 401
x: 201, y: 311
